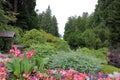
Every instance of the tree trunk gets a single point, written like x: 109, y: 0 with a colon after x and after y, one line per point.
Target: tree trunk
x: 15, y: 5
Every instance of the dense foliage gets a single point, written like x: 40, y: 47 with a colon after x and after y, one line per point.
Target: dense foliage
x: 100, y: 53
x: 107, y: 12
x: 77, y: 61
x: 5, y: 43
x: 109, y: 69
x: 48, y: 23
x: 41, y: 37
x: 80, y: 32
x: 100, y: 29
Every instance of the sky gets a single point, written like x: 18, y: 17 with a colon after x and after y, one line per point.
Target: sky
x: 62, y: 9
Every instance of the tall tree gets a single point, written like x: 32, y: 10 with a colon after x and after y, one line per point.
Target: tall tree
x: 27, y: 15
x: 25, y: 12
x: 108, y: 11
x: 5, y: 14
x: 54, y: 27
x: 73, y: 30
x: 113, y: 21
x: 48, y: 23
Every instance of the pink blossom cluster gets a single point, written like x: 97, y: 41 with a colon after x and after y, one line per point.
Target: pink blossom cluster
x: 17, y: 53
x: 3, y: 73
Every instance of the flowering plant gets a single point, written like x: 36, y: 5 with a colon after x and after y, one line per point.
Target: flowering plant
x: 21, y: 63
x: 22, y: 68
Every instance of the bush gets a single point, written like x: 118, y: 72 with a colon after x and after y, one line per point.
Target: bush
x: 33, y: 37
x: 109, y: 69
x: 100, y: 53
x: 57, y: 43
x: 76, y: 61
x: 41, y: 37
x: 42, y: 50
x: 42, y: 54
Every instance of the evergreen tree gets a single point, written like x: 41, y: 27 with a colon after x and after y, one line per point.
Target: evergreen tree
x: 27, y: 15
x: 48, y: 22
x: 74, y: 29
x: 5, y: 14
x: 54, y: 27
x: 107, y: 12
x: 24, y: 10
x: 113, y: 21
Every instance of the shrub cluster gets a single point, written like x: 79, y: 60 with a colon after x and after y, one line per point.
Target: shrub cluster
x: 100, y: 53
x: 76, y: 61
x: 41, y: 37
x: 42, y: 50
x: 109, y: 69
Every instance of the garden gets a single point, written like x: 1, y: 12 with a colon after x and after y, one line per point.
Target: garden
x: 49, y: 58
x: 79, y: 54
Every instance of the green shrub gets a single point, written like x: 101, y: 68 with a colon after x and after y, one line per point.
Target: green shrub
x: 100, y: 53
x: 43, y: 50
x: 57, y: 43
x: 33, y: 37
x: 42, y: 54
x: 73, y: 60
x: 41, y: 37
x: 60, y: 45
x: 109, y: 69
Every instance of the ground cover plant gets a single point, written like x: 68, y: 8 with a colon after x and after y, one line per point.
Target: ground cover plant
x: 74, y: 60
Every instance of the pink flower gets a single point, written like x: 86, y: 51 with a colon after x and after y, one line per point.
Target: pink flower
x: 47, y: 78
x: 15, y: 47
x: 30, y: 54
x: 2, y: 70
x: 26, y: 75
x: 2, y: 79
x: 108, y: 79
x: 117, y: 77
x: 17, y: 52
x: 40, y: 75
x: 100, y: 79
x: 51, y: 78
x: 12, y: 51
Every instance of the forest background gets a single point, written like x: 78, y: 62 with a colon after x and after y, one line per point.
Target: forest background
x: 97, y: 30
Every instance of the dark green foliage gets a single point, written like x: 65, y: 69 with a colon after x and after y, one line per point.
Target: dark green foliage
x: 24, y: 11
x: 18, y: 31
x: 77, y: 61
x: 48, y: 23
x: 90, y: 39
x: 73, y: 30
x: 107, y: 12
x: 101, y: 27
x: 81, y: 32
x: 27, y: 18
x: 6, y: 42
x: 6, y: 15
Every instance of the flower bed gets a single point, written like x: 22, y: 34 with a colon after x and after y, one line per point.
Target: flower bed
x: 22, y: 68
